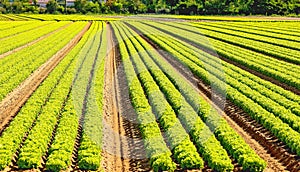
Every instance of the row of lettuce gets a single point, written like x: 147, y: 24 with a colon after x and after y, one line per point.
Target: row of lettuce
x: 279, y: 70
x: 276, y: 100
x: 18, y: 66
x: 12, y: 17
x: 14, y: 28
x: 45, y: 131
x: 286, y: 28
x: 275, y: 108
x: 159, y: 93
x: 274, y: 45
x: 23, y: 34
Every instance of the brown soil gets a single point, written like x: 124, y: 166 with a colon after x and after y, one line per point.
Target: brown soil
x: 33, y: 42
x: 12, y: 103
x: 122, y: 144
x: 274, y: 152
x: 112, y: 152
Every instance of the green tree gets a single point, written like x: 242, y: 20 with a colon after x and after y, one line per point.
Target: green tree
x: 79, y: 6
x: 52, y: 6
x: 17, y: 6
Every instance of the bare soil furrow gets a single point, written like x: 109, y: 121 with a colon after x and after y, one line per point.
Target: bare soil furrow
x: 123, y: 148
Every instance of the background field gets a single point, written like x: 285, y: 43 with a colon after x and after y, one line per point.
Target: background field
x: 149, y: 92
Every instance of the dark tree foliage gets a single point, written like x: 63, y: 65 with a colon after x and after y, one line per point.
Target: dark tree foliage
x: 52, y: 6
x: 204, y: 7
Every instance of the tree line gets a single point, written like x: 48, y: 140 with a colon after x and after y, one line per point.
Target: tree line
x: 187, y: 7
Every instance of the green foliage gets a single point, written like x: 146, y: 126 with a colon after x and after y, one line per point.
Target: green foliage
x: 46, y: 100
x: 208, y: 146
x: 156, y: 148
x: 183, y: 149
x: 89, y: 152
x: 264, y: 115
x: 83, y: 6
x: 52, y: 6
x: 229, y: 139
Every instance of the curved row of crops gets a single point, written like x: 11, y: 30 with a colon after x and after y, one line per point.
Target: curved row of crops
x: 206, y: 142
x: 12, y: 17
x: 272, y: 33
x: 89, y: 101
x: 59, y: 128
x: 276, y: 103
x: 244, y: 36
x: 276, y: 27
x: 26, y: 26
x: 4, y: 25
x: 183, y: 149
x: 261, y: 108
x: 52, y: 110
x: 16, y: 67
x: 156, y: 149
x: 70, y: 17
x: 279, y: 70
x: 18, y: 40
x: 287, y: 52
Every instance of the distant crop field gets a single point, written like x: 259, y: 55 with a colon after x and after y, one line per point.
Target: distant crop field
x: 149, y: 93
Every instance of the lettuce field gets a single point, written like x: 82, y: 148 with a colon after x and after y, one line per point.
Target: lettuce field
x: 149, y: 93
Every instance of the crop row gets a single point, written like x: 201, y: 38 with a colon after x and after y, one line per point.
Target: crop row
x: 18, y: 40
x: 292, y: 42
x: 229, y: 139
x: 6, y: 25
x: 220, y: 18
x: 263, y: 62
x: 185, y: 153
x: 274, y: 68
x: 291, y: 101
x: 89, y: 154
x: 11, y: 17
x: 273, y: 102
x: 91, y: 98
x: 278, y: 27
x: 27, y: 26
x: 50, y: 112
x: 279, y: 51
x: 235, y: 94
x: 12, y: 136
x: 156, y: 149
x: 3, y: 18
x: 16, y: 67
x: 208, y: 146
x: 60, y: 152
x: 260, y: 30
x: 36, y: 144
x: 73, y: 17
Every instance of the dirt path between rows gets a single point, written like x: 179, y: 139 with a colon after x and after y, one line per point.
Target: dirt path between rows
x: 33, y: 42
x: 12, y: 103
x: 111, y: 151
x: 123, y: 148
x: 273, y: 163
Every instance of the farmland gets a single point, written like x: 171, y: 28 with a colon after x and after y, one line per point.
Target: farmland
x: 142, y: 93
